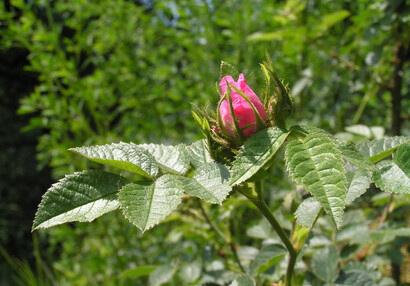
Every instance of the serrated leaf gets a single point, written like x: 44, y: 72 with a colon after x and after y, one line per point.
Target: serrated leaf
x: 307, y: 212
x: 324, y: 263
x: 79, y: 197
x: 394, y: 177
x: 257, y: 151
x: 146, y: 204
x: 353, y: 156
x: 357, y: 184
x: 243, y: 280
x: 172, y: 159
x: 377, y: 150
x: 199, y: 154
x: 210, y: 182
x: 122, y: 155
x: 267, y: 257
x: 316, y: 164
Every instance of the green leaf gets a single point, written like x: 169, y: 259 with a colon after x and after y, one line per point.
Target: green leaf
x: 227, y: 69
x: 353, y: 156
x: 172, y: 159
x: 324, y: 263
x: 316, y: 164
x: 329, y: 21
x: 161, y: 275
x: 138, y: 271
x: 256, y: 153
x: 358, y: 274
x: 190, y: 272
x: 243, y: 280
x: 307, y: 212
x: 79, y: 197
x: 357, y: 184
x: 125, y: 156
x: 146, y: 204
x: 267, y: 257
x: 199, y: 154
x: 394, y: 176
x: 377, y: 150
x: 210, y: 182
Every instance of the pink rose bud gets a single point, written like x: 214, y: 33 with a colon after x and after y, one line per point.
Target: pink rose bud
x: 243, y: 111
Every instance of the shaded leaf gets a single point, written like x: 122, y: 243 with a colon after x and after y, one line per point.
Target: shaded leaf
x: 267, y: 257
x: 243, y: 280
x: 307, y: 212
x: 210, y: 182
x: 146, y: 204
x: 190, y: 272
x: 138, y: 271
x: 79, y: 197
x: 257, y: 151
x: 324, y: 263
x: 172, y: 159
x: 227, y: 69
x: 357, y: 184
x: 316, y: 164
x: 161, y: 275
x: 394, y: 176
x: 125, y: 156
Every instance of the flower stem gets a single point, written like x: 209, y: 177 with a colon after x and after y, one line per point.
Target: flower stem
x: 264, y: 209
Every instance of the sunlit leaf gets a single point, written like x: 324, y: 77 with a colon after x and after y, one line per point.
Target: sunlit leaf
x: 256, y: 153
x: 210, y: 182
x: 79, y: 197
x: 125, y: 156
x: 146, y: 204
x: 315, y: 163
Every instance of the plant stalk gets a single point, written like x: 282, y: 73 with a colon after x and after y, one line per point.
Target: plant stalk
x: 264, y: 209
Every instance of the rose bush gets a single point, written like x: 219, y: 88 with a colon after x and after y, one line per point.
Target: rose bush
x: 243, y: 111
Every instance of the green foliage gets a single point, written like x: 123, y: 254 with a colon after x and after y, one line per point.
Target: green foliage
x: 126, y: 70
x: 256, y: 153
x: 316, y: 164
x: 307, y: 212
x: 394, y: 176
x: 209, y: 182
x: 124, y: 156
x: 146, y: 204
x: 324, y: 264
x: 79, y: 197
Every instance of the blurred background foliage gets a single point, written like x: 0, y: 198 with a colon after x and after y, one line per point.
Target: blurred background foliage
x: 84, y: 72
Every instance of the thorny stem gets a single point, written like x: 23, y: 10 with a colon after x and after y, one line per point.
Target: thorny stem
x: 264, y: 209
x: 229, y: 243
